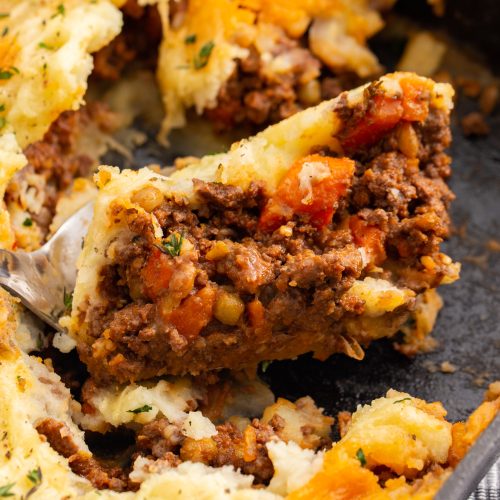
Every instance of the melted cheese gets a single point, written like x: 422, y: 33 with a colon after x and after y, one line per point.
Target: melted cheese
x: 310, y: 174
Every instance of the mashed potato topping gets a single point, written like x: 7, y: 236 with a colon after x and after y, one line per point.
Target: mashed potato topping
x: 203, y: 43
x: 44, y: 65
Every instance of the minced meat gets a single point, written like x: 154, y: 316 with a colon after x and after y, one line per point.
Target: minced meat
x: 239, y: 294
x: 56, y: 160
x: 252, y: 96
x: 81, y: 462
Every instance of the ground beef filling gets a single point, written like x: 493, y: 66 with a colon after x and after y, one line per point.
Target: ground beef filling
x: 55, y: 161
x: 81, y: 462
x: 243, y: 449
x: 253, y: 96
x: 136, y: 45
x: 220, y: 291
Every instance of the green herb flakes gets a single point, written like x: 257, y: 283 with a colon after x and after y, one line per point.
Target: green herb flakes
x: 401, y: 400
x: 3, y: 122
x: 5, y: 490
x: 28, y: 222
x: 265, y: 365
x: 190, y: 39
x: 60, y: 10
x: 141, y: 409
x: 46, y: 46
x: 68, y: 300
x: 172, y: 245
x: 361, y: 457
x: 201, y: 59
x: 6, y: 74
x: 35, y: 476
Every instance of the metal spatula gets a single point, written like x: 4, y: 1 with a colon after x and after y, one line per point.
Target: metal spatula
x: 45, y: 279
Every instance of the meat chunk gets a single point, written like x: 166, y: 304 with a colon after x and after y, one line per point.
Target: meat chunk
x: 81, y: 462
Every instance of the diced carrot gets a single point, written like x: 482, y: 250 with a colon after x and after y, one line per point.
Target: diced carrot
x: 383, y: 115
x: 156, y: 273
x: 256, y: 313
x: 415, y: 98
x: 194, y: 313
x: 312, y: 187
x: 371, y: 238
x: 250, y: 444
x: 385, y: 112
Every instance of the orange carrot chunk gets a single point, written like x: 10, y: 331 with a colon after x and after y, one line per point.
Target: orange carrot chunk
x: 194, y: 313
x: 311, y: 188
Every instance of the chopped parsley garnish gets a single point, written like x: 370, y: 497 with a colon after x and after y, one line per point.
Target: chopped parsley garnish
x: 265, y: 365
x: 5, y: 74
x: 5, y: 490
x: 60, y: 10
x: 35, y: 476
x: 361, y: 457
x: 5, y: 30
x: 201, y: 59
x: 141, y: 409
x: 3, y: 122
x: 172, y: 245
x: 401, y: 400
x: 28, y: 222
x: 4, y: 15
x: 2, y: 107
x: 68, y: 300
x: 190, y: 39
x: 44, y: 45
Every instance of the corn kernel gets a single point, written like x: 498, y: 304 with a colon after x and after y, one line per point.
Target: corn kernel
x: 228, y: 308
x: 218, y: 251
x: 148, y: 198
x: 428, y: 262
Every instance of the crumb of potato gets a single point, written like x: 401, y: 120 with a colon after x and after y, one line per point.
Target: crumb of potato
x: 474, y: 124
x: 493, y: 391
x: 344, y: 420
x: 493, y: 245
x: 447, y: 367
x: 480, y: 261
x: 488, y: 99
x: 470, y: 86
x: 430, y: 366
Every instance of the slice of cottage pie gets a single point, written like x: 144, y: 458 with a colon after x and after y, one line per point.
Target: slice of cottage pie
x: 319, y: 234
